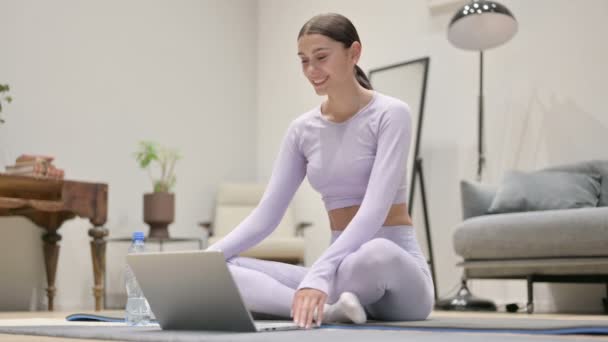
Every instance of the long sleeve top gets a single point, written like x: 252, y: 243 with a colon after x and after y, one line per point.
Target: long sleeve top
x: 360, y: 161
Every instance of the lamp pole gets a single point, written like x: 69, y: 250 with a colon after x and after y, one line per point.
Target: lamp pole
x: 477, y: 26
x: 481, y: 158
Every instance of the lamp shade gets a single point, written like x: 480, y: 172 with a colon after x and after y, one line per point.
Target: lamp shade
x: 481, y: 25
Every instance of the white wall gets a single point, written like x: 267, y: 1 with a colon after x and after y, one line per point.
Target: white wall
x: 92, y: 78
x: 551, y: 73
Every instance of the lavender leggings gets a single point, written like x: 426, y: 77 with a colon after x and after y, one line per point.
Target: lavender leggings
x: 389, y: 275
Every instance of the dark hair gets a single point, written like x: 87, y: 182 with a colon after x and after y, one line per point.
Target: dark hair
x: 340, y: 29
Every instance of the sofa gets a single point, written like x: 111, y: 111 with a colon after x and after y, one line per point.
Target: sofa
x: 552, y: 245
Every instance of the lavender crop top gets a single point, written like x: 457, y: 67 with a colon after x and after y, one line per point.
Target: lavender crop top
x: 361, y: 161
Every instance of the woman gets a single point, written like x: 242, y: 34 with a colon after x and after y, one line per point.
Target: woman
x: 353, y: 148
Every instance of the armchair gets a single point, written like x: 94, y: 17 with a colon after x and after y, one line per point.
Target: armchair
x: 234, y: 201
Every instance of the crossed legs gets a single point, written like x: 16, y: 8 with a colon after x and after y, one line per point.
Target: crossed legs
x: 266, y: 286
x: 386, y: 279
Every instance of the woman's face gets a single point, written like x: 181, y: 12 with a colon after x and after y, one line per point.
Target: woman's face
x: 325, y: 62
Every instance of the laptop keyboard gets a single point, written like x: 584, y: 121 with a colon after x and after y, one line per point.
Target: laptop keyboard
x: 275, y: 325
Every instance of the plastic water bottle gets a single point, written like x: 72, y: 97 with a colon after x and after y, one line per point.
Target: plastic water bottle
x: 137, y: 310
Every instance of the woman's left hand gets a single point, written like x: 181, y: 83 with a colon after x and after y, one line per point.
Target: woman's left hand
x: 305, y: 303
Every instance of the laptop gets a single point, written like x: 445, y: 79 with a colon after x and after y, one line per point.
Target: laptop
x: 194, y: 290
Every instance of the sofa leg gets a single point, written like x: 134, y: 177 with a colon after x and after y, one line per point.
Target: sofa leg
x: 530, y: 304
x: 605, y: 300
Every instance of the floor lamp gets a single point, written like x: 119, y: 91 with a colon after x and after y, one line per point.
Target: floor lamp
x: 479, y: 25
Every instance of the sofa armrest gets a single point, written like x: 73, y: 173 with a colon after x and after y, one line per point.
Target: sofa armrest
x: 476, y: 198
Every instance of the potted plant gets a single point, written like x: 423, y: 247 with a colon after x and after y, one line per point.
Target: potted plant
x: 3, y: 89
x: 159, y: 205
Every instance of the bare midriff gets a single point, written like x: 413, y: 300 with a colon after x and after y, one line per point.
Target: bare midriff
x: 397, y: 215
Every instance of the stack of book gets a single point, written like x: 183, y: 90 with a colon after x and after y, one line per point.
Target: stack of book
x: 35, y: 166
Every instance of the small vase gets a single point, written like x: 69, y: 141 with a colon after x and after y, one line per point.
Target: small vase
x: 159, y: 212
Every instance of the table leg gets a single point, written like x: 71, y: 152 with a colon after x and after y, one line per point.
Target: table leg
x: 98, y: 253
x: 51, y: 255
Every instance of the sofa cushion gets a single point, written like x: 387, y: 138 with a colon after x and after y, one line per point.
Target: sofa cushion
x: 589, y: 167
x: 578, y: 232
x: 476, y: 198
x: 546, y: 190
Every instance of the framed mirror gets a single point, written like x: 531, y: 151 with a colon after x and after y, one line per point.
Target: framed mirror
x: 407, y: 82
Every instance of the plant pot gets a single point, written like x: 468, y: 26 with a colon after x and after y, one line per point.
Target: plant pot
x: 159, y: 212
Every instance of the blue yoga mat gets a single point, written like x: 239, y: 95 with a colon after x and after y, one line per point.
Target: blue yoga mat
x: 452, y: 324
x: 83, y: 317
x: 559, y: 331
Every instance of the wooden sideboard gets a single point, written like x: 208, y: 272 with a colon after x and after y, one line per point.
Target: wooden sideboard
x: 50, y: 202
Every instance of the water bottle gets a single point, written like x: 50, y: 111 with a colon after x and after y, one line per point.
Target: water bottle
x: 137, y: 309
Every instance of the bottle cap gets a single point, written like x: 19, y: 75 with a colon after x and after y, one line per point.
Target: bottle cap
x: 138, y: 236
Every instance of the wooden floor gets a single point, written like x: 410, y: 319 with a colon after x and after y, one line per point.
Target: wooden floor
x: 42, y: 314
x: 4, y: 316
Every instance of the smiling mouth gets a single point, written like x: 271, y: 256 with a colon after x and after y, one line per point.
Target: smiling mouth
x: 320, y: 82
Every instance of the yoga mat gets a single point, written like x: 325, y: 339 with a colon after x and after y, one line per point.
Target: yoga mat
x: 492, y: 324
x: 87, y: 317
x: 154, y: 334
x: 433, y: 329
x: 528, y: 325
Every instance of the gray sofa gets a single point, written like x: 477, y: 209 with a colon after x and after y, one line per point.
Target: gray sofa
x: 563, y: 245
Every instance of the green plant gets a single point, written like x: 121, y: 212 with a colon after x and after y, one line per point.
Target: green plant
x: 4, y: 88
x: 150, y: 151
